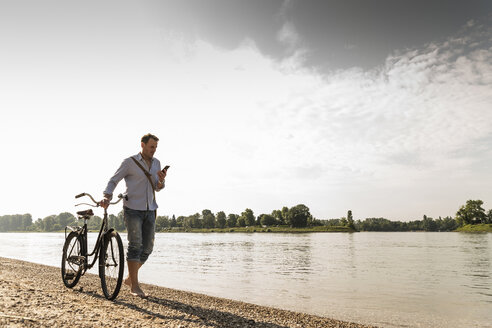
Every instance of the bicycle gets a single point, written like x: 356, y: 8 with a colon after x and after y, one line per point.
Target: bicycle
x: 108, y: 249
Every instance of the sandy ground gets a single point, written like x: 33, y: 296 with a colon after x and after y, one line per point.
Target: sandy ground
x: 33, y: 295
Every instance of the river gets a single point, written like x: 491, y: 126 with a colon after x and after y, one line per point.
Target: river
x: 389, y: 279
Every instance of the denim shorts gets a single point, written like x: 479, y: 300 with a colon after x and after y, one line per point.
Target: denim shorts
x: 140, y: 226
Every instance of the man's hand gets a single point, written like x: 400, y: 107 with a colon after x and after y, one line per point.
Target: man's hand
x: 161, y: 175
x: 104, y: 203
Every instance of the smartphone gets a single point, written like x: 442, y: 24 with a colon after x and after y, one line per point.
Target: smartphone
x: 165, y: 168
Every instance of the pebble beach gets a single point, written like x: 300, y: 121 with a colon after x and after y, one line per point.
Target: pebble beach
x: 33, y: 295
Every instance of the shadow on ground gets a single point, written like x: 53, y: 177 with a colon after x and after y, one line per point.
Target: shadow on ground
x: 206, y: 317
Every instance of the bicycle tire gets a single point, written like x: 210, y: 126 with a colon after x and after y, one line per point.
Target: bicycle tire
x: 72, y: 260
x: 111, y: 265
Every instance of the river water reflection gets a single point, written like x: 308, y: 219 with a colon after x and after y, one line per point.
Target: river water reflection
x: 386, y: 279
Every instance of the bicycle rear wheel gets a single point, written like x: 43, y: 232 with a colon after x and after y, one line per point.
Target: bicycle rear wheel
x: 111, y: 265
x: 72, y: 260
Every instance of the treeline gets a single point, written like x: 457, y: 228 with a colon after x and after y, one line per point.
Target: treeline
x: 58, y: 222
x: 297, y: 216
x: 382, y: 224
x: 470, y: 213
x: 17, y: 222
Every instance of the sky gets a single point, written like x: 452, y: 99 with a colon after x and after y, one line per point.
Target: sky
x: 381, y: 107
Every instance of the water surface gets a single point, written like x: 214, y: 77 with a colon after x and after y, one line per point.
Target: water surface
x: 405, y: 279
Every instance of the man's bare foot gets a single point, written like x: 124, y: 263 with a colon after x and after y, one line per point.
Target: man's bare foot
x: 138, y: 292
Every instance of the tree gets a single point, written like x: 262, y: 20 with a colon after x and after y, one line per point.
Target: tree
x: 65, y: 219
x: 173, y: 222
x: 208, y: 219
x: 113, y: 220
x: 285, y: 212
x: 221, y: 219
x: 161, y: 223
x: 232, y: 220
x: 188, y: 222
x: 489, y: 216
x: 447, y: 224
x: 26, y: 221
x: 249, y: 217
x: 277, y: 214
x: 39, y: 224
x: 258, y: 221
x: 428, y: 224
x: 49, y: 222
x: 241, y: 222
x: 267, y: 220
x: 16, y: 222
x: 94, y: 223
x: 350, y: 220
x: 298, y: 216
x: 120, y: 221
x: 193, y: 221
x: 179, y: 221
x: 471, y: 213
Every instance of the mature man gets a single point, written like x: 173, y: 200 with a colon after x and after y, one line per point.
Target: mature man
x: 143, y: 177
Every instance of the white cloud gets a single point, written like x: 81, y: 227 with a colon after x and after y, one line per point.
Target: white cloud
x: 242, y: 130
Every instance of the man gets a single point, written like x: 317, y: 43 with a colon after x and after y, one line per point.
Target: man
x: 140, y: 207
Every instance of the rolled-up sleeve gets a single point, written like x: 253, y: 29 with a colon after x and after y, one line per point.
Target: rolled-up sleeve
x: 120, y: 173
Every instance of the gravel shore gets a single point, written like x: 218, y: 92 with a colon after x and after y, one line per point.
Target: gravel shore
x: 33, y: 295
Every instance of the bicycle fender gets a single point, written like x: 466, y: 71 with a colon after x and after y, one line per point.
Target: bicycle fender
x: 108, y: 233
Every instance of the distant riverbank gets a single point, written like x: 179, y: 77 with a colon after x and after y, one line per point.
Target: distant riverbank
x: 284, y: 229
x: 265, y: 229
x: 475, y: 228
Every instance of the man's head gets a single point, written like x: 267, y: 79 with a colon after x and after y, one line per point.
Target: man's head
x: 149, y: 145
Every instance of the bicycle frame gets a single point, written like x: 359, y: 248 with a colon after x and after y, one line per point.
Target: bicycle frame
x: 95, y: 252
x: 83, y: 234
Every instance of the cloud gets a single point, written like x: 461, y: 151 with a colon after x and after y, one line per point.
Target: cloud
x: 414, y: 112
x: 403, y: 124
x: 288, y: 35
x: 245, y: 130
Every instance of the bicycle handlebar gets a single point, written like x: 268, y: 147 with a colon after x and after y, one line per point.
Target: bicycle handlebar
x: 120, y: 197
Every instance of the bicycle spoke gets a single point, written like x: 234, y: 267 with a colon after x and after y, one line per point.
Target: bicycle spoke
x: 112, y: 265
x: 72, y: 260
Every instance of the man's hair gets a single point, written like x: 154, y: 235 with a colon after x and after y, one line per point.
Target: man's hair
x: 147, y: 137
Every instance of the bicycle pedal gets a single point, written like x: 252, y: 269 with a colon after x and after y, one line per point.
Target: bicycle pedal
x: 78, y: 260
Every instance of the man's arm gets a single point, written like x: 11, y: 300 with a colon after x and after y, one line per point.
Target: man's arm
x: 120, y: 173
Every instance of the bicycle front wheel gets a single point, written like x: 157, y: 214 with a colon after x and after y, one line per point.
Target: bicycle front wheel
x: 72, y: 260
x: 111, y: 265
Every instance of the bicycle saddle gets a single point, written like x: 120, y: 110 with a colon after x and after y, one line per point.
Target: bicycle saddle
x: 85, y: 213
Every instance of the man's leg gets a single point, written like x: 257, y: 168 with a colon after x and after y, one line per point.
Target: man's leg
x: 133, y: 222
x: 133, y: 267
x: 128, y: 280
x: 148, y: 235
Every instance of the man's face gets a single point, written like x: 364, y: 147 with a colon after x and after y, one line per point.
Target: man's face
x: 149, y: 148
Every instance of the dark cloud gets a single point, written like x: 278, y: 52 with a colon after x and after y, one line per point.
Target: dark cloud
x: 362, y: 33
x: 337, y: 34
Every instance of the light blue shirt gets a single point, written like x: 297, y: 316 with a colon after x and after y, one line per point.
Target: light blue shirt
x: 138, y: 188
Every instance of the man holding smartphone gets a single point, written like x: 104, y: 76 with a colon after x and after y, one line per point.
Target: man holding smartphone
x: 143, y: 177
